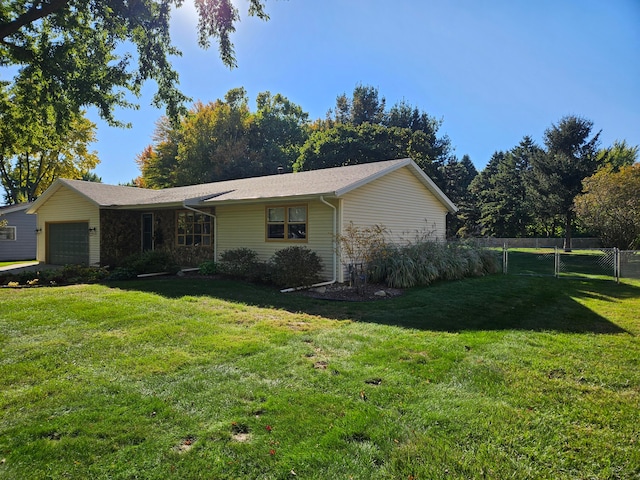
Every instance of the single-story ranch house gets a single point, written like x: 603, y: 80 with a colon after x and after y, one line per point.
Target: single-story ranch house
x: 99, y: 224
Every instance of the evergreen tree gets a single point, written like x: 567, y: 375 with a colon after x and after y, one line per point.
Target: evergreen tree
x: 557, y: 174
x: 458, y: 175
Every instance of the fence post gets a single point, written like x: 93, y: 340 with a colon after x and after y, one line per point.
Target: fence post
x: 556, y: 262
x: 616, y: 263
x: 505, y: 260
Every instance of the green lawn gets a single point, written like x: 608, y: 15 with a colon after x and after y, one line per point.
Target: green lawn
x: 7, y: 264
x: 497, y: 377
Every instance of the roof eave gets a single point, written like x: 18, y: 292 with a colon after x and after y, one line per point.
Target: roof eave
x: 59, y: 183
x: 14, y: 208
x: 143, y: 206
x: 211, y: 202
x: 270, y: 200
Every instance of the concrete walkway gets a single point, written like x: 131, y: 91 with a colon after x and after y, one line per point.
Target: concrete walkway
x: 27, y: 267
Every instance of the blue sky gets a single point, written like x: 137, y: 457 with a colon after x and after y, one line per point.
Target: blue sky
x: 492, y: 70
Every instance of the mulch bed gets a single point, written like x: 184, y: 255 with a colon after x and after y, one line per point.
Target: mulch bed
x: 345, y: 293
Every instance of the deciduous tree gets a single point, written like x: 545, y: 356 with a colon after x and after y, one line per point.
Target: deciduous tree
x: 224, y: 140
x: 362, y: 131
x: 34, y: 151
x: 610, y: 205
x: 76, y: 50
x: 346, y: 144
x: 276, y: 132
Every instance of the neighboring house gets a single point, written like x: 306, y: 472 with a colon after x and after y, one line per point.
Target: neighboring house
x: 18, y: 236
x: 98, y: 224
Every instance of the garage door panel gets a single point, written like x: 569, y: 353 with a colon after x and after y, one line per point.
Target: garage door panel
x: 68, y: 243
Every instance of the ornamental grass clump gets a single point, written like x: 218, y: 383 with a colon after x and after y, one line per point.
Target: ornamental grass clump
x: 425, y: 261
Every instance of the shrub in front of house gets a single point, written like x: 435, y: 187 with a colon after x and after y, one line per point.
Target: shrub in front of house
x: 295, y: 267
x: 243, y: 263
x: 424, y: 262
x: 208, y: 268
x: 155, y: 261
x: 122, y: 273
x: 67, y: 275
x: 80, y: 274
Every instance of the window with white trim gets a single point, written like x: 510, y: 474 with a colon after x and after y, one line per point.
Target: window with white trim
x: 287, y: 223
x: 8, y: 234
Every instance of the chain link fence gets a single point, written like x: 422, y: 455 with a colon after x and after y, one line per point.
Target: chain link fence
x: 553, y: 261
x: 629, y: 264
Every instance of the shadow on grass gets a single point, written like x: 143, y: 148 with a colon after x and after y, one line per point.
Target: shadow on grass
x: 497, y: 302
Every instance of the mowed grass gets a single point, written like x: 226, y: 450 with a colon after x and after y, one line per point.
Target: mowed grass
x: 8, y: 264
x: 494, y: 377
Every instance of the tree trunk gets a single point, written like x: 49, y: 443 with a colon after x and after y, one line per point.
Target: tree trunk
x: 567, y: 232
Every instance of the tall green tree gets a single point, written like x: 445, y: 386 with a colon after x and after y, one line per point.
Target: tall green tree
x: 610, y: 205
x: 457, y: 177
x: 213, y: 142
x: 224, y: 140
x: 364, y: 106
x: 480, y: 220
x: 157, y: 162
x: 362, y: 131
x: 346, y: 144
x: 501, y: 194
x: 404, y: 115
x: 34, y: 151
x: 66, y: 55
x: 571, y: 155
x: 277, y: 131
x: 74, y: 48
x: 618, y: 155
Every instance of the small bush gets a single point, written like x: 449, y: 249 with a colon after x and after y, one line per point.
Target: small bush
x: 154, y: 261
x: 69, y: 274
x: 122, y: 273
x: 82, y: 274
x: 295, y: 267
x: 243, y: 263
x: 208, y: 268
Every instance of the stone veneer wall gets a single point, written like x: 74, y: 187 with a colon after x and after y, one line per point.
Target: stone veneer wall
x: 121, y: 236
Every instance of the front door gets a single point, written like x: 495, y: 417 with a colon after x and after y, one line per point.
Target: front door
x: 147, y: 232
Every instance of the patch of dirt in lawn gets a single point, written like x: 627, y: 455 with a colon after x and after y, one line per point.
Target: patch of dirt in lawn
x: 241, y: 437
x: 185, y: 445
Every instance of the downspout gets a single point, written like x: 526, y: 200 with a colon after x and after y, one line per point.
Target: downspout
x: 335, y: 255
x: 215, y: 228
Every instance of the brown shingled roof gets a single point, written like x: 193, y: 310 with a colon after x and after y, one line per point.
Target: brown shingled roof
x: 328, y: 182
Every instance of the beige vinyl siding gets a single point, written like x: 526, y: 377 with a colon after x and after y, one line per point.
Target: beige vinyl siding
x: 67, y: 206
x: 244, y: 226
x: 399, y: 202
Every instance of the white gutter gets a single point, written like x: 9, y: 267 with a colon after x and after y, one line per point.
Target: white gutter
x: 215, y: 227
x: 335, y: 255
